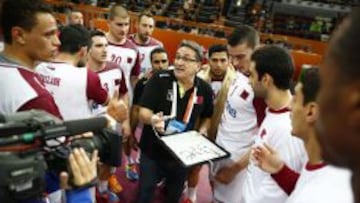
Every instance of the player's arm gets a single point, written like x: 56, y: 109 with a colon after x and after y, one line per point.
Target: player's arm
x: 134, y: 110
x: 227, y: 173
x: 134, y: 80
x: 134, y: 116
x: 116, y: 107
x: 94, y: 90
x: 204, y: 126
x: 125, y: 125
x: 286, y: 178
x: 123, y: 89
x: 269, y: 161
x: 124, y: 96
x: 135, y: 72
x: 205, y: 117
x: 149, y: 112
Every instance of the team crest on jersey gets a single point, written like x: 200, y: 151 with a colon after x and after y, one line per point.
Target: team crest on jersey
x: 244, y: 94
x: 170, y: 95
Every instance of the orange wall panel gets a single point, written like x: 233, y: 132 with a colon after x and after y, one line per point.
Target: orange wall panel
x: 171, y: 40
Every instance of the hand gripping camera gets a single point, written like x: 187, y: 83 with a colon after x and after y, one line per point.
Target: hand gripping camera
x: 26, y: 153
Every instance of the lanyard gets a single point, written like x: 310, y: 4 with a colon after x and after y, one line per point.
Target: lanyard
x: 189, y: 106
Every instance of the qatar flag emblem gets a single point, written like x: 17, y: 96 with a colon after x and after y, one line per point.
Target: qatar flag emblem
x: 244, y: 94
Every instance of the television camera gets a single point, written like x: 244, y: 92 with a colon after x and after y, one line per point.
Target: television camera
x: 35, y: 142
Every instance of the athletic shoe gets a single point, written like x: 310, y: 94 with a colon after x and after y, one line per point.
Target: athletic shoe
x: 107, y: 196
x: 114, y: 184
x: 131, y: 172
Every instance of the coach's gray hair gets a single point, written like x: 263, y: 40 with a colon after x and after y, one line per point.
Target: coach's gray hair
x: 194, y: 46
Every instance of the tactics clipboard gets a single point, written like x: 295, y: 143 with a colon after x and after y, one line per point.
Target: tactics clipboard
x: 192, y: 148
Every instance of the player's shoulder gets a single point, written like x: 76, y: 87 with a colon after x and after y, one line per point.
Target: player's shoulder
x: 131, y: 38
x: 51, y: 67
x: 130, y: 45
x: 155, y: 42
x: 201, y: 83
x: 110, y: 66
x: 9, y: 66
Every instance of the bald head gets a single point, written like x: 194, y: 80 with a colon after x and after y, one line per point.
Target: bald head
x: 118, y: 11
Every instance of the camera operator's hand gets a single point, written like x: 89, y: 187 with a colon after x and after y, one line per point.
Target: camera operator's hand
x: 83, y: 169
x: 117, y: 108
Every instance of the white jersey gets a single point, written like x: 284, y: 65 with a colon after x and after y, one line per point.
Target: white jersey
x: 127, y: 57
x: 13, y: 80
x: 145, y: 51
x: 111, y: 78
x: 238, y: 124
x: 69, y: 85
x: 236, y: 131
x: 21, y: 89
x: 216, y: 87
x: 259, y: 186
x: 327, y: 184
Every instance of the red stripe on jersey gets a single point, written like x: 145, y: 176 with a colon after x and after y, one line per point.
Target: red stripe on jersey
x: 282, y: 110
x: 44, y: 100
x: 286, y: 178
x: 94, y: 90
x: 312, y: 167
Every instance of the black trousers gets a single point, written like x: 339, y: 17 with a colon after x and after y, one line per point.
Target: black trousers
x: 151, y: 171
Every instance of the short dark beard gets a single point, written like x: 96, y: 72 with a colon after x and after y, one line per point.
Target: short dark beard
x: 143, y: 38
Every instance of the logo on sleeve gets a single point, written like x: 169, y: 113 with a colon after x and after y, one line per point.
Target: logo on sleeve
x: 199, y: 99
x: 244, y: 94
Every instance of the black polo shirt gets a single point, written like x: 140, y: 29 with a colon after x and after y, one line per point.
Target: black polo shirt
x: 138, y: 90
x: 157, y: 97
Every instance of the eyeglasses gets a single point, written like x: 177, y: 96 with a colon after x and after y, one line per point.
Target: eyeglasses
x: 160, y: 61
x: 185, y: 59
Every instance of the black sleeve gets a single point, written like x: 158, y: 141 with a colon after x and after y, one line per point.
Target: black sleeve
x: 138, y: 90
x: 208, y: 102
x: 151, y: 95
